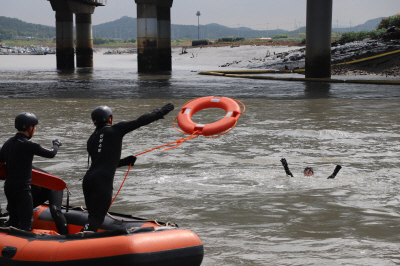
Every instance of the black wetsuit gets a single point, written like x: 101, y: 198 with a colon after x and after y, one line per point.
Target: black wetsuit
x: 17, y: 153
x: 40, y: 195
x: 104, y: 147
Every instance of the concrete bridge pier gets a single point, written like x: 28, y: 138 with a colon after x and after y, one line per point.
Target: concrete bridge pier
x: 84, y: 40
x: 154, y: 35
x: 318, y: 38
x: 65, y: 31
x: 65, y: 40
x: 164, y: 37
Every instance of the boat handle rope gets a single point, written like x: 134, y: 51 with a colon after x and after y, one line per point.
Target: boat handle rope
x: 129, y: 220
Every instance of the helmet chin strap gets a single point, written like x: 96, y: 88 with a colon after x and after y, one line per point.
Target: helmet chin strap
x: 30, y: 132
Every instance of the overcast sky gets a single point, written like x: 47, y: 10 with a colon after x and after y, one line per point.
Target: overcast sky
x: 255, y: 14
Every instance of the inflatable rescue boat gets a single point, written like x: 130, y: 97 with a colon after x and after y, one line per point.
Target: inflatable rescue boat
x: 122, y: 240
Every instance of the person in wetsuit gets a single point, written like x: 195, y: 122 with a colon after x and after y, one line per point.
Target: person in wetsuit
x: 17, y: 153
x: 104, y: 147
x: 308, y: 171
x: 39, y: 196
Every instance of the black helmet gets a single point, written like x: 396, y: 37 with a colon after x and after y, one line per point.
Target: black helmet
x: 24, y: 120
x: 101, y: 114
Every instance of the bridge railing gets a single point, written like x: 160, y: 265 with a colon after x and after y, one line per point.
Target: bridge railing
x: 104, y: 2
x: 95, y: 2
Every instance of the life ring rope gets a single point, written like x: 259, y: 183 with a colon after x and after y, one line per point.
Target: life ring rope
x: 179, y: 141
x: 127, y: 172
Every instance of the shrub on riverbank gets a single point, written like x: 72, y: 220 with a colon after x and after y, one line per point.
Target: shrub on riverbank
x: 359, y: 36
x: 102, y: 41
x: 230, y: 39
x: 281, y: 36
x: 389, y: 22
x: 380, y: 31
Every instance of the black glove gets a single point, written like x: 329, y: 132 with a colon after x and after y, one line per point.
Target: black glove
x: 57, y: 142
x: 164, y: 110
x: 167, y: 108
x: 131, y: 159
x: 127, y: 161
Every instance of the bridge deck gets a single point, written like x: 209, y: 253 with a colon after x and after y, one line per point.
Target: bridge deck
x: 93, y: 2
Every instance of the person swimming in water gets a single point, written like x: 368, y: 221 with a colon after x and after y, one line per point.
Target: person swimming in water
x: 308, y: 171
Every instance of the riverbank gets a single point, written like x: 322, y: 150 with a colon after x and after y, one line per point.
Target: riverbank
x: 262, y: 57
x: 383, y: 66
x: 288, y: 56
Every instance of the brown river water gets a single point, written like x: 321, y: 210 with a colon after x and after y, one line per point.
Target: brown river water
x: 231, y: 191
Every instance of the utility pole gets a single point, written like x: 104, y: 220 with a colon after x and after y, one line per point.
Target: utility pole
x: 337, y: 28
x: 198, y: 25
x: 299, y: 27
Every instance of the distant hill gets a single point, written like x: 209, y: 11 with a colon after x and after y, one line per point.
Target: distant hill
x: 216, y: 31
x: 11, y: 28
x: 368, y: 26
x: 126, y: 28
x: 123, y: 28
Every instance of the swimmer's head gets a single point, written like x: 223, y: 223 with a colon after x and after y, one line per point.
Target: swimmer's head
x: 308, y: 171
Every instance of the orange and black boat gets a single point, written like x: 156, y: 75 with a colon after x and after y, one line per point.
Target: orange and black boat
x: 122, y: 240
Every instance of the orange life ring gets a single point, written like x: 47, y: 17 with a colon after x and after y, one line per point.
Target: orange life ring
x: 231, y: 107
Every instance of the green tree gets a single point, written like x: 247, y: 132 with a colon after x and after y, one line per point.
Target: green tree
x: 281, y: 36
x: 389, y: 22
x: 301, y: 36
x: 132, y: 40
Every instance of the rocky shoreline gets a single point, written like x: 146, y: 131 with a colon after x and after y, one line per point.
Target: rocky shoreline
x: 384, y: 66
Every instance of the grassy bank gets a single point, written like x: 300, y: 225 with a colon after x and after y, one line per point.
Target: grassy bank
x: 45, y: 43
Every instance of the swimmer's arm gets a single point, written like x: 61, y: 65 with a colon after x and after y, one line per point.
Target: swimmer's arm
x: 335, y: 172
x: 286, y: 167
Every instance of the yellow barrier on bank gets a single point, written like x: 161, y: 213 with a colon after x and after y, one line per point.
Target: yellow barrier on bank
x: 254, y: 74
x: 368, y: 58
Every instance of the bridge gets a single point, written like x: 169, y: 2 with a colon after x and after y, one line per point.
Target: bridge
x: 154, y: 35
